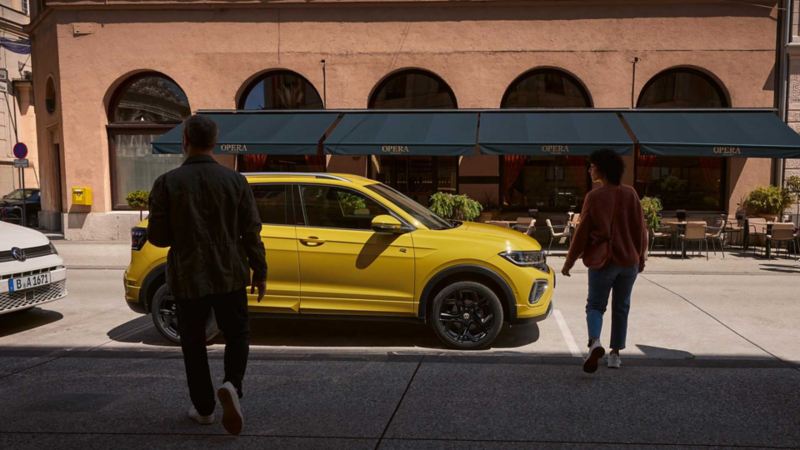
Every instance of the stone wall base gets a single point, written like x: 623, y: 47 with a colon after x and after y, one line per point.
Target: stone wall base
x: 111, y: 226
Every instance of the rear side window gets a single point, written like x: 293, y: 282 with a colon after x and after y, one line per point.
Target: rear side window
x: 272, y: 202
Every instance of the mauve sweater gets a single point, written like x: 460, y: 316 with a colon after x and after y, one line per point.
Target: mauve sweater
x: 628, y: 234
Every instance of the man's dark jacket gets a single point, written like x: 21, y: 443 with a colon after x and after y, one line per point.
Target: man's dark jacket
x: 208, y: 217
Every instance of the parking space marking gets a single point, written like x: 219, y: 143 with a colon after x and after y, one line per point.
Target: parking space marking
x: 568, y: 338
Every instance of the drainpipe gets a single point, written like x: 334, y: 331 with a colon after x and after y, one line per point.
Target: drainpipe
x: 782, y: 78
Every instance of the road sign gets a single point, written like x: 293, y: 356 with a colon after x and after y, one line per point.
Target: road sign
x: 21, y: 163
x: 20, y: 150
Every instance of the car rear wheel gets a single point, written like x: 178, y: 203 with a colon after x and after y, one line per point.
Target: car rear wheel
x: 466, y: 315
x: 165, y: 316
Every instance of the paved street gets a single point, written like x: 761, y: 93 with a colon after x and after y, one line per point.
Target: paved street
x: 712, y: 360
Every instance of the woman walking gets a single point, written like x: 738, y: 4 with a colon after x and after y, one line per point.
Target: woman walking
x: 612, y: 240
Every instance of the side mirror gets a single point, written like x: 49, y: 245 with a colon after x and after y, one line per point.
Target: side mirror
x: 387, y: 224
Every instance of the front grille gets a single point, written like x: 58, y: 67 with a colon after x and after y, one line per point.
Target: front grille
x: 28, y: 273
x: 31, y: 252
x: 10, y: 301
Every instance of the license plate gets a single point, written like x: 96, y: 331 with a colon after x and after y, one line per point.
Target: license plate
x: 29, y: 282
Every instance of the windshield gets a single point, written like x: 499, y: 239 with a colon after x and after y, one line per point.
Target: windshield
x: 17, y: 194
x: 417, y: 211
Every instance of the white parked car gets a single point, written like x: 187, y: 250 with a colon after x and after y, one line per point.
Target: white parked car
x: 31, y: 272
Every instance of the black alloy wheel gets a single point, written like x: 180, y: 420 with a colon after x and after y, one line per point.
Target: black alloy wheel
x: 165, y: 316
x: 466, y: 315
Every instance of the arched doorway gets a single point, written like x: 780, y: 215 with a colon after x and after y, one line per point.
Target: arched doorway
x: 683, y: 182
x: 144, y: 106
x: 417, y: 176
x: 280, y: 89
x: 545, y: 183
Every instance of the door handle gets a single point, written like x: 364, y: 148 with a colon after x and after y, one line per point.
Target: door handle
x: 312, y: 241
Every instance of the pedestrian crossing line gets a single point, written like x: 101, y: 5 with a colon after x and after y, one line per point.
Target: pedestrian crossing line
x: 568, y: 338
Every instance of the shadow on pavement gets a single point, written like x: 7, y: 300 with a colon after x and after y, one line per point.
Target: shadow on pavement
x: 663, y: 353
x: 291, y: 332
x: 20, y: 321
x: 781, y: 268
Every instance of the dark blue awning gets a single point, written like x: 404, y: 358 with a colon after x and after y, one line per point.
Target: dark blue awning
x: 446, y: 133
x: 748, y: 133
x: 276, y: 133
x: 551, y: 133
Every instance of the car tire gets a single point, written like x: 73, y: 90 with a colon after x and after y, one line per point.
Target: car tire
x: 466, y: 315
x: 165, y: 316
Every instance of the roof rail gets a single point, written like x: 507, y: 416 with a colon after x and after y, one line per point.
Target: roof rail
x: 299, y: 174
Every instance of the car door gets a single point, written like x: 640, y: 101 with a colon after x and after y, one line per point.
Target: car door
x: 346, y: 267
x: 279, y: 234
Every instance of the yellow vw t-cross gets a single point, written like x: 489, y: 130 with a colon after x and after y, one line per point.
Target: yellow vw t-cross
x: 346, y: 245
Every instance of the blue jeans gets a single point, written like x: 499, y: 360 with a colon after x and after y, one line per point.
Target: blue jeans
x: 619, y: 281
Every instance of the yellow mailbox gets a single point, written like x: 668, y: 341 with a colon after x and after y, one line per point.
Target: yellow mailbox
x: 82, y: 195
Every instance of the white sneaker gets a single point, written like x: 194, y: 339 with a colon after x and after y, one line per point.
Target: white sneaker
x: 232, y: 418
x: 202, y: 420
x: 596, y: 351
x: 614, y: 361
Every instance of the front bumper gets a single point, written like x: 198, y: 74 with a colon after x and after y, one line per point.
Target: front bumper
x: 28, y: 298
x: 541, y: 308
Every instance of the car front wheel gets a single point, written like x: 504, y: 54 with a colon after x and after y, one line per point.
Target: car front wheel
x: 466, y: 315
x: 165, y: 316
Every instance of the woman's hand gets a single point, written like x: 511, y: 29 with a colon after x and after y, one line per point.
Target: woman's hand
x: 567, y: 267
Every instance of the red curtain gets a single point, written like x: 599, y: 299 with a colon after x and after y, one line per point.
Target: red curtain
x: 254, y: 163
x: 512, y: 167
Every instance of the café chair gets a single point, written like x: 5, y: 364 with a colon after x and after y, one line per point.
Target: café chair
x: 716, y: 234
x: 782, y: 232
x: 563, y: 234
x: 694, y: 232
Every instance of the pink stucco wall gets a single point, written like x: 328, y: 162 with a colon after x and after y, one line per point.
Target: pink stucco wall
x: 478, y: 49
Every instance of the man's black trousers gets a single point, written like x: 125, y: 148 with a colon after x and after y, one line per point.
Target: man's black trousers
x: 231, y: 312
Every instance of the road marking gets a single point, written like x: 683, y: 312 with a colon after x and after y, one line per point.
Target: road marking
x: 568, y: 338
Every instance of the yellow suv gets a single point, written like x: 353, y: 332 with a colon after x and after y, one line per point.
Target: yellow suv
x: 349, y: 246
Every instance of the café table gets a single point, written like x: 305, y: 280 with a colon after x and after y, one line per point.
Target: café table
x: 680, y: 227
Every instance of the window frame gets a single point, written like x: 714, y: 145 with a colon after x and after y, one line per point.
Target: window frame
x: 300, y: 203
x: 122, y: 130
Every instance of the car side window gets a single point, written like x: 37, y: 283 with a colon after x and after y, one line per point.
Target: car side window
x: 335, y: 207
x: 272, y: 202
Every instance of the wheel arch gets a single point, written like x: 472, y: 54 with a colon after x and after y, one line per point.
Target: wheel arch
x: 468, y: 273
x: 150, y: 285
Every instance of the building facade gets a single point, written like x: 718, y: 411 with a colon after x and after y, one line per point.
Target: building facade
x: 111, y: 76
x: 17, y: 116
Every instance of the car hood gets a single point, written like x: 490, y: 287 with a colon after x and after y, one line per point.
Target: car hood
x: 506, y: 237
x: 17, y: 236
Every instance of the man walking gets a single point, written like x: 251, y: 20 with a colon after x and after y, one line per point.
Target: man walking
x: 207, y: 215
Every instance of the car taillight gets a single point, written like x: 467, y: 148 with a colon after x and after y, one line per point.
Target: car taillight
x: 138, y: 238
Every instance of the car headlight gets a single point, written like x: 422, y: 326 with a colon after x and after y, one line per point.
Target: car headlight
x: 530, y: 258
x: 53, y: 249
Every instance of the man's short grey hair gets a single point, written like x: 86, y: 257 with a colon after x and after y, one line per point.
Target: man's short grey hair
x: 200, y: 132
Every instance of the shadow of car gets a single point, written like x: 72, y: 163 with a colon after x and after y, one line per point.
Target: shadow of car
x: 12, y: 205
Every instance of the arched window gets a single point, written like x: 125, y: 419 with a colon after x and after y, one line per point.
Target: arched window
x: 413, y: 89
x: 682, y: 182
x: 144, y: 106
x: 280, y: 89
x: 546, y: 88
x: 682, y: 88
x: 547, y: 183
x: 416, y: 176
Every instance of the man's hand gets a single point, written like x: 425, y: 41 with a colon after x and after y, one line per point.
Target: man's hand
x: 261, y: 285
x: 567, y: 267
x: 641, y: 267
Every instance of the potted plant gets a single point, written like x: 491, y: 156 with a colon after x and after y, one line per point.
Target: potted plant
x: 455, y: 207
x: 138, y: 200
x: 793, y: 186
x: 767, y: 201
x: 651, y: 207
